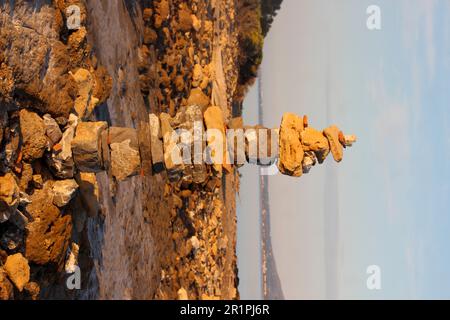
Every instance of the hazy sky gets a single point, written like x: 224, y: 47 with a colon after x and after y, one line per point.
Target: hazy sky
x: 387, y: 203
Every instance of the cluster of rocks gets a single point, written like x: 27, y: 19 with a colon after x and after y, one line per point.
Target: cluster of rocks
x: 301, y: 146
x: 50, y: 84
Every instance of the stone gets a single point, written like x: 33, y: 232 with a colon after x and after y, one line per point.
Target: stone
x: 125, y: 160
x: 119, y: 134
x: 182, y: 294
x: 156, y: 143
x: 26, y: 177
x: 48, y: 232
x: 6, y: 287
x: 9, y: 196
x: 63, y: 192
x: 85, y: 83
x: 217, y: 143
x: 60, y: 159
x: 34, y: 140
x: 198, y: 98
x: 349, y: 140
x: 18, y: 270
x: 337, y: 150
x: 86, y: 146
x: 236, y: 123
x: 52, y: 130
x: 314, y: 140
x: 291, y: 150
x: 172, y: 154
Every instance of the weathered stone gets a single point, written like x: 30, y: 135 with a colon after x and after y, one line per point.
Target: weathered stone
x: 156, y: 143
x: 86, y: 146
x: 26, y: 176
x: 172, y: 154
x: 85, y: 101
x: 18, y: 270
x: 52, y: 130
x: 34, y: 140
x: 291, y: 150
x: 198, y: 98
x: 9, y: 196
x: 349, y: 140
x: 194, y: 243
x: 125, y: 160
x: 60, y: 160
x: 217, y: 142
x: 118, y: 135
x: 313, y: 140
x: 337, y: 150
x: 64, y: 191
x: 6, y: 287
x: 182, y: 294
x: 49, y: 232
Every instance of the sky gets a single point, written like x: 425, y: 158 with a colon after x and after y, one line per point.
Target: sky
x: 387, y: 203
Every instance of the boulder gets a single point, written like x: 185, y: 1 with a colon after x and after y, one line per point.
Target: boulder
x: 63, y: 192
x: 9, y: 196
x: 6, y: 287
x: 291, y: 150
x: 86, y: 146
x: 60, y: 159
x: 18, y: 270
x: 313, y: 140
x: 125, y: 160
x: 337, y: 150
x: 34, y: 140
x: 156, y: 143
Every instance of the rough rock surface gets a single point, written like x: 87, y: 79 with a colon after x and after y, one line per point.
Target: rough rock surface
x: 291, y: 150
x: 337, y: 150
x: 34, y: 140
x: 314, y: 140
x: 86, y: 146
x: 64, y: 191
x: 18, y: 270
